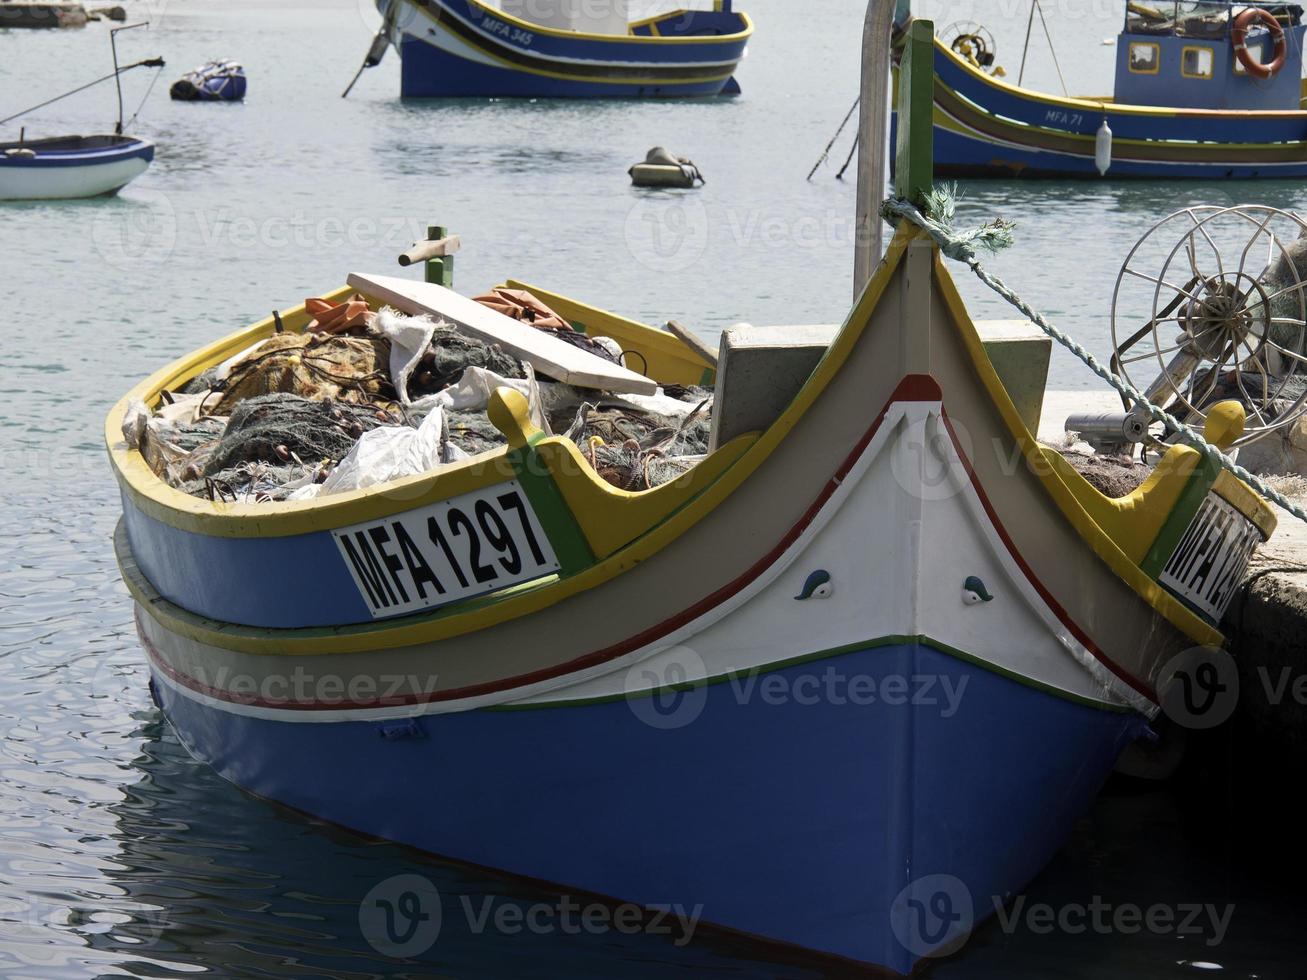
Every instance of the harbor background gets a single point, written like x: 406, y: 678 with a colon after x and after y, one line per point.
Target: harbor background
x: 118, y: 853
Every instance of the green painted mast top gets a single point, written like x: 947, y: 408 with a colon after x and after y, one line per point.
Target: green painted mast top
x: 914, y: 160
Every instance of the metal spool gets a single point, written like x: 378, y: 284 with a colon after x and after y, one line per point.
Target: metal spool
x: 1221, y: 294
x: 973, y: 42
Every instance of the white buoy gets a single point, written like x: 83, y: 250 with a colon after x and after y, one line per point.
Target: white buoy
x: 1103, y: 148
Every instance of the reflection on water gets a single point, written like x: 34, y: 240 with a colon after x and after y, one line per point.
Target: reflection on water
x: 118, y: 854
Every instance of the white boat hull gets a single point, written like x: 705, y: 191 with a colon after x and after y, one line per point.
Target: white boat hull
x: 91, y: 180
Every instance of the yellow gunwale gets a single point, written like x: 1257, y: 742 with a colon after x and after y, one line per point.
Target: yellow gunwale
x: 745, y: 33
x: 444, y: 624
x: 1121, y: 107
x: 1175, y: 612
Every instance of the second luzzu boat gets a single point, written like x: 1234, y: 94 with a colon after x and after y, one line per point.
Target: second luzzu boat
x: 1203, y: 88
x: 844, y: 686
x: 560, y: 48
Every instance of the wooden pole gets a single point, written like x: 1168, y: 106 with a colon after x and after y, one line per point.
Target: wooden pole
x: 914, y: 161
x: 873, y: 134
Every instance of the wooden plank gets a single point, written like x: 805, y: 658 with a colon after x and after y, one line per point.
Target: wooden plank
x: 547, y: 354
x: 692, y: 341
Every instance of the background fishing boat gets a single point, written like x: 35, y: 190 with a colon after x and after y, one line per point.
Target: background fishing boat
x: 1203, y: 89
x: 875, y: 530
x: 75, y: 166
x: 71, y: 166
x: 557, y: 48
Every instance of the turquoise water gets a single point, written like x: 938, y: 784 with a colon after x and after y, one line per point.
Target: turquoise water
x: 118, y: 854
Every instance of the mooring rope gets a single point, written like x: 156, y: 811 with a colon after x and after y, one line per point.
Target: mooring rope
x: 962, y: 246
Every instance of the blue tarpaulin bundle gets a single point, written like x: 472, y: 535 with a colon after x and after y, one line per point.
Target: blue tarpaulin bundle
x: 218, y: 81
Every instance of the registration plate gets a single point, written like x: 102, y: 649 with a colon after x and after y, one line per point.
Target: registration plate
x: 461, y: 547
x: 1209, y: 562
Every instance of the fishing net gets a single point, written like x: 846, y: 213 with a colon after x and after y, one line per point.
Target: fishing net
x: 1112, y: 476
x: 346, y: 369
x: 637, y: 450
x: 472, y: 432
x: 280, y: 429
x: 255, y: 482
x: 452, y: 353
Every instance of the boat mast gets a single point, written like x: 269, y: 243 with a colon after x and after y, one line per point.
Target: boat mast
x: 117, y: 72
x: 873, y: 133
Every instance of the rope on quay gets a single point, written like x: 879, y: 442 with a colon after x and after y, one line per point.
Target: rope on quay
x: 962, y: 246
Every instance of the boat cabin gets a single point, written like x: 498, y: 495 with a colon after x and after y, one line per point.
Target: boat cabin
x: 1185, y: 55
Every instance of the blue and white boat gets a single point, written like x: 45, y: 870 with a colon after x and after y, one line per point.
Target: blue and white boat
x: 75, y: 166
x: 1204, y: 89
x: 557, y: 48
x: 71, y: 166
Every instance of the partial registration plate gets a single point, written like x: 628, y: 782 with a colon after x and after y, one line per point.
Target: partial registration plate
x: 1209, y: 562
x: 465, y: 546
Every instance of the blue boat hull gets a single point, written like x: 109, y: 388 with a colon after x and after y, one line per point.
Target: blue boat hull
x: 466, y: 48
x: 960, y: 155
x: 985, y: 127
x: 428, y: 73
x: 854, y: 806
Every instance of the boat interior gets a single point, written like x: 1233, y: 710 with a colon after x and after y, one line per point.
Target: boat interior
x: 68, y: 144
x: 1207, y: 19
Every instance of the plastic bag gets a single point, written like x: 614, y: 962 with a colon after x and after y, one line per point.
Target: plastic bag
x: 390, y: 452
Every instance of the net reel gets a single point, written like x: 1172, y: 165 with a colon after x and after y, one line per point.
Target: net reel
x: 1221, y: 294
x: 973, y: 43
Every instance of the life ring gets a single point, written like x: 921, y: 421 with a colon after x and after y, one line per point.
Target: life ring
x: 1239, y: 33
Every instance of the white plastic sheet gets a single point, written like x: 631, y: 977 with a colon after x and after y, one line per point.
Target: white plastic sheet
x: 390, y: 452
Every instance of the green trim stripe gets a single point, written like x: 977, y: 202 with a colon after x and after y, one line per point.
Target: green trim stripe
x: 1181, y: 516
x: 555, y: 516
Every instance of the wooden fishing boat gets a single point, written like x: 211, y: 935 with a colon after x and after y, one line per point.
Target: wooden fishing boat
x: 71, y: 166
x: 845, y: 685
x: 553, y: 48
x: 1204, y: 88
x: 76, y: 166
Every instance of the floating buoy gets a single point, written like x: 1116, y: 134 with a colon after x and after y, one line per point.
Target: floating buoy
x: 1103, y: 148
x: 661, y: 169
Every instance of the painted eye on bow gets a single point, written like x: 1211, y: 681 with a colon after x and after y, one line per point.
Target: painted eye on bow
x: 974, y: 591
x: 818, y: 586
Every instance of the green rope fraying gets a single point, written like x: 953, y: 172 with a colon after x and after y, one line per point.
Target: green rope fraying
x: 962, y: 247
x: 941, y: 207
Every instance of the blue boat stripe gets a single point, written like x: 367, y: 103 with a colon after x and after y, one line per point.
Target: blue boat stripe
x: 82, y: 158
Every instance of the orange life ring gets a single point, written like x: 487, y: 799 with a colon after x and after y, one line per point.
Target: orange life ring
x: 1240, y: 32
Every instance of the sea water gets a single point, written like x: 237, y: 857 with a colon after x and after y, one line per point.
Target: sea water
x: 118, y: 853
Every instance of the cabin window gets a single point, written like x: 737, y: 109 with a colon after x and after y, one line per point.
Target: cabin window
x: 1196, y: 62
x: 1256, y: 48
x: 1145, y: 57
